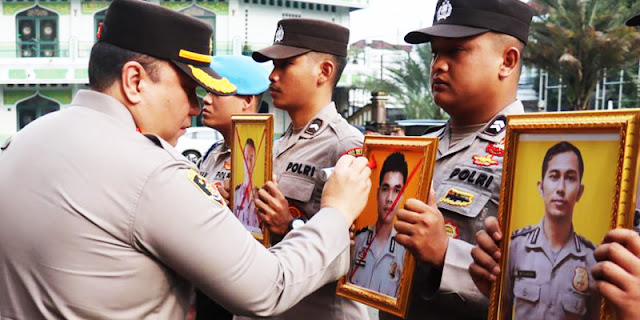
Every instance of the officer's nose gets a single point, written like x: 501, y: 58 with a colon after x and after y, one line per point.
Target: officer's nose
x: 438, y: 65
x: 273, y: 77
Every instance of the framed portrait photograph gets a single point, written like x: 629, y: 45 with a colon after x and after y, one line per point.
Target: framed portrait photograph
x: 381, y: 269
x: 568, y: 178
x: 251, y: 166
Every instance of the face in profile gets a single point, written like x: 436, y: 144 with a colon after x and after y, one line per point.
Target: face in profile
x: 250, y: 157
x: 388, y: 191
x: 561, y: 186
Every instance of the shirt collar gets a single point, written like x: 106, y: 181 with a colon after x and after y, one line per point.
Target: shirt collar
x: 106, y: 104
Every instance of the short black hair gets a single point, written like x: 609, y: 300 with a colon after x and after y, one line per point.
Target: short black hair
x: 340, y: 64
x: 395, y: 162
x: 106, y: 61
x: 558, y: 148
x: 250, y: 143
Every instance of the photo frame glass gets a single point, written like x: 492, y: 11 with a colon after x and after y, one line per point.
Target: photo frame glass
x: 251, y: 167
x: 381, y: 269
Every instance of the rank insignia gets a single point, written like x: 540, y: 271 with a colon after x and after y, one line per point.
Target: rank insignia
x: 205, y: 186
x: 485, y: 161
x: 457, y: 198
x: 452, y: 230
x: 581, y: 279
x: 227, y: 165
x: 393, y: 269
x: 497, y: 125
x: 356, y: 152
x: 496, y: 149
x: 314, y: 126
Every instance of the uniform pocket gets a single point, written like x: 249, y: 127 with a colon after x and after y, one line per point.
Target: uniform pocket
x: 526, y: 291
x: 297, y: 188
x: 574, y: 303
x: 461, y: 199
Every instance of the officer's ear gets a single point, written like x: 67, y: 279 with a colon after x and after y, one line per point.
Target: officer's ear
x: 510, y: 62
x: 540, y: 189
x: 580, y: 192
x: 131, y: 81
x: 247, y: 103
x: 327, y: 71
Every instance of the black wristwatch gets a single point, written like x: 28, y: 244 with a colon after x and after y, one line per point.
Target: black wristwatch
x: 296, y: 223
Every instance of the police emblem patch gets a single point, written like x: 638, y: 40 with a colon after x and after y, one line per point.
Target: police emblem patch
x: 444, y: 11
x: 393, y: 269
x: 496, y: 149
x: 485, y: 161
x: 205, y: 186
x: 314, y: 126
x: 451, y: 228
x: 279, y: 34
x: 227, y: 165
x: 356, y: 152
x: 581, y: 279
x: 457, y: 198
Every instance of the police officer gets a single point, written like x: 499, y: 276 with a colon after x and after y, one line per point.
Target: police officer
x: 118, y: 225
x: 378, y: 260
x: 548, y: 273
x: 309, y: 57
x: 477, y: 55
x: 251, y: 80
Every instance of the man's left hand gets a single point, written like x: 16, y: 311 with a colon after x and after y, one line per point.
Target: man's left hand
x: 420, y: 228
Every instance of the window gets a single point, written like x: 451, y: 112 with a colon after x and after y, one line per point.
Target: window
x: 333, y: 8
x: 303, y: 5
x: 287, y: 4
x: 37, y: 33
x: 295, y: 4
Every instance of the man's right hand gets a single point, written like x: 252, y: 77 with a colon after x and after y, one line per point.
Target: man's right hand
x: 486, y: 256
x: 273, y: 208
x: 347, y: 190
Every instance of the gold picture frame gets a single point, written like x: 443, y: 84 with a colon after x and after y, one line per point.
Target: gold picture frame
x: 250, y: 130
x: 408, y: 163
x: 537, y: 146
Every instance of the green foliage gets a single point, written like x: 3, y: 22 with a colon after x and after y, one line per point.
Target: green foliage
x: 579, y: 40
x: 409, y: 86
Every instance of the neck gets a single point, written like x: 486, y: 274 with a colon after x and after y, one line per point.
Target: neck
x: 302, y: 115
x: 383, y: 230
x: 485, y: 112
x: 557, y: 231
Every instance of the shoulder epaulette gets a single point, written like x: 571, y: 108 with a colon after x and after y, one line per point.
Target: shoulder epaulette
x: 154, y: 139
x: 433, y: 129
x: 523, y: 231
x: 213, y: 146
x: 580, y: 239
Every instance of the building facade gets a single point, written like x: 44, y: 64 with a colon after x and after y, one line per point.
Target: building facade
x: 45, y: 44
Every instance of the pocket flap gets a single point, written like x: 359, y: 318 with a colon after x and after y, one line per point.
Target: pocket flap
x: 462, y: 200
x: 526, y: 291
x: 574, y: 303
x: 297, y: 188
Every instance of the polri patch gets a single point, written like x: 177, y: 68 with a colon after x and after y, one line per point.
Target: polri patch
x: 206, y: 187
x: 451, y: 228
x: 581, y: 279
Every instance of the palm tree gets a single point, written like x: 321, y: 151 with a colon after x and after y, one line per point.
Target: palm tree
x: 579, y: 40
x: 408, y: 84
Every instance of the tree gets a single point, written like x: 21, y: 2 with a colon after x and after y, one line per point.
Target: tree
x: 579, y: 40
x: 409, y: 85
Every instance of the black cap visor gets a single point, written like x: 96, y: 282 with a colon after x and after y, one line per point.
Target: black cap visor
x: 635, y: 21
x: 207, y: 78
x: 278, y: 51
x: 442, y: 30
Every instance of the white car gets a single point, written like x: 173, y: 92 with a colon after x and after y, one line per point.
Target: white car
x: 196, y: 141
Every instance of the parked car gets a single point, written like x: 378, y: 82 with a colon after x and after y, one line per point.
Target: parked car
x: 196, y: 141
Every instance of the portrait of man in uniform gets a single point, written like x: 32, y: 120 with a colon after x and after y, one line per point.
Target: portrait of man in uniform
x: 547, y: 274
x: 250, y: 167
x: 378, y: 259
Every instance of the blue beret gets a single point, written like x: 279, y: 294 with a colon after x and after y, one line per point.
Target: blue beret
x: 249, y: 77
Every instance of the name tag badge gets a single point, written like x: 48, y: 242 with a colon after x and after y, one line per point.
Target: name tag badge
x: 526, y: 274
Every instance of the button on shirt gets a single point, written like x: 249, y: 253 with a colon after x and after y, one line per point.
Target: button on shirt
x: 116, y: 225
x: 378, y: 270
x: 547, y: 285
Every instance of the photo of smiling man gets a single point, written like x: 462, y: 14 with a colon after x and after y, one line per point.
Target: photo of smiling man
x: 548, y: 268
x: 378, y: 261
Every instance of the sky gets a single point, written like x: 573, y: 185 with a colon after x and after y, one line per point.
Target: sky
x: 391, y: 20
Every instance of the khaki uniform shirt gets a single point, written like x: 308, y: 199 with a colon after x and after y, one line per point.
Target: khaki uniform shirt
x: 544, y: 285
x: 215, y: 165
x: 101, y: 222
x: 298, y: 159
x: 244, y: 207
x: 378, y: 271
x: 467, y: 181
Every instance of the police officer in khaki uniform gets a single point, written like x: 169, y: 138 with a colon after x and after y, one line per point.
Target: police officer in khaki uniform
x: 379, y: 260
x: 477, y: 54
x: 308, y: 57
x: 118, y: 225
x: 548, y: 275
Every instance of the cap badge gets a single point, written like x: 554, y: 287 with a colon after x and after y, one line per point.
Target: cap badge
x: 444, y: 11
x: 581, y: 279
x: 279, y: 34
